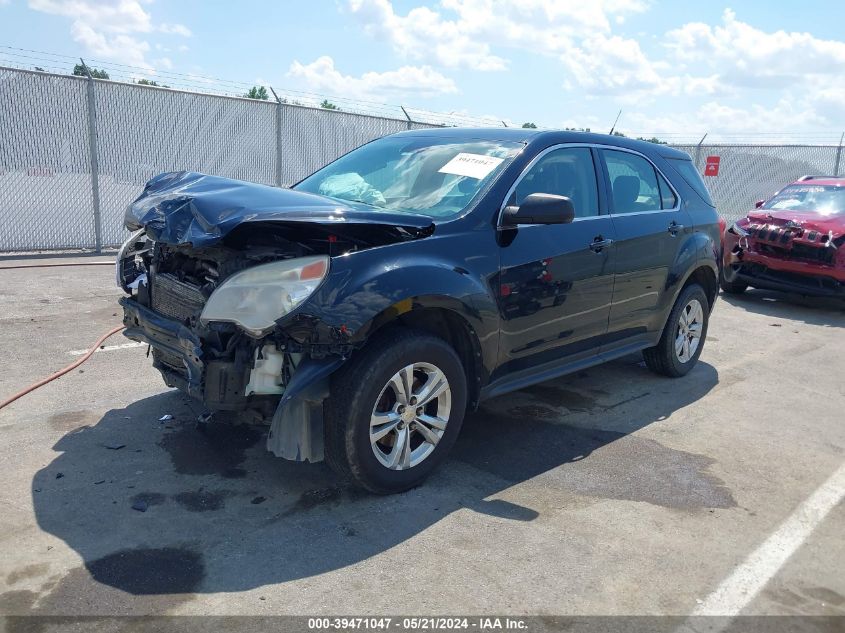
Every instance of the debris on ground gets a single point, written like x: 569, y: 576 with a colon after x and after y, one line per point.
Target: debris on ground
x: 140, y: 505
x: 59, y: 475
x: 258, y: 500
x: 114, y: 446
x: 165, y: 417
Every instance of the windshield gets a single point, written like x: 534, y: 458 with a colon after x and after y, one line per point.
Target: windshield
x: 430, y: 176
x: 824, y: 199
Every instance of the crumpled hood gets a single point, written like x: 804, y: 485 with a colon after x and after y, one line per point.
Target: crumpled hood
x: 808, y: 220
x: 200, y: 210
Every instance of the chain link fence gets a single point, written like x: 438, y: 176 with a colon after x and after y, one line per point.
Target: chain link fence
x: 748, y: 173
x: 74, y: 152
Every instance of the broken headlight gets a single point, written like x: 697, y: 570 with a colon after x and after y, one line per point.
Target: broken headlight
x: 126, y: 269
x: 256, y: 297
x: 736, y: 229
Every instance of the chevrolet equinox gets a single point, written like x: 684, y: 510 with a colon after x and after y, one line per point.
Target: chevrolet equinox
x: 361, y: 312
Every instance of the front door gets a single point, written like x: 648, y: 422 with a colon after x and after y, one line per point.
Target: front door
x: 651, y: 226
x: 556, y: 281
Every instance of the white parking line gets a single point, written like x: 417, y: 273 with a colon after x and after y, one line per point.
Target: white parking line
x: 747, y: 580
x: 107, y: 348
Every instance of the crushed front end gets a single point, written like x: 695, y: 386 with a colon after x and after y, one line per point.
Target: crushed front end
x: 804, y: 257
x: 223, y: 352
x: 222, y: 277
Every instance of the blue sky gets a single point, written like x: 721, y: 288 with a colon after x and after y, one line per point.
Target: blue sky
x: 747, y: 69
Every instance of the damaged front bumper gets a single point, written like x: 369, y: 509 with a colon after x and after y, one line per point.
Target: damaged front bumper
x: 295, y: 415
x: 784, y: 263
x: 171, y: 338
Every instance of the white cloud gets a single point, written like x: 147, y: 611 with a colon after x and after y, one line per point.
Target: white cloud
x: 121, y: 16
x: 794, y: 115
x: 614, y: 65
x: 122, y: 48
x: 464, y: 32
x: 746, y: 56
x: 420, y: 81
x: 109, y: 29
x: 175, y: 29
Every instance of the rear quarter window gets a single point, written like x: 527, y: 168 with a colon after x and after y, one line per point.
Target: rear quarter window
x: 690, y: 174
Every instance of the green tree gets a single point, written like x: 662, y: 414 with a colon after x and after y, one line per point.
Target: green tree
x: 530, y: 126
x: 79, y: 70
x: 146, y: 82
x: 257, y: 92
x: 653, y: 139
x: 328, y: 105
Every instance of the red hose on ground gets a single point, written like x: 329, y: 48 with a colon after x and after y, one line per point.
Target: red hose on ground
x: 61, y: 372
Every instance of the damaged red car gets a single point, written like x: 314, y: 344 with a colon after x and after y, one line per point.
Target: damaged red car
x: 792, y: 242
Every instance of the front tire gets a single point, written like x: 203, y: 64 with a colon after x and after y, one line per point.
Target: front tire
x: 683, y: 336
x: 395, y: 410
x: 731, y: 287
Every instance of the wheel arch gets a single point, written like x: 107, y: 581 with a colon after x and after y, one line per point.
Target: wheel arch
x: 440, y: 317
x: 707, y: 278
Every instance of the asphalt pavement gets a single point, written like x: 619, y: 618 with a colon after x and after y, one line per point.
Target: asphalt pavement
x: 612, y: 491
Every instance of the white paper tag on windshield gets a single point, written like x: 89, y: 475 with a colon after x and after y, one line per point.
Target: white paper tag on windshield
x: 471, y: 165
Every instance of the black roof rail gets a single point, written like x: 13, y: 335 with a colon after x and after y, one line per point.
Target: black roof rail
x: 817, y: 177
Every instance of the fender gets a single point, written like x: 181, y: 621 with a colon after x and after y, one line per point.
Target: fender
x: 366, y: 290
x: 362, y: 294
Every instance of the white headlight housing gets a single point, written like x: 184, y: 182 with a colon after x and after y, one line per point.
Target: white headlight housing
x: 257, y: 297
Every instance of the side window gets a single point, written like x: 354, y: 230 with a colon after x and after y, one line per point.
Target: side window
x: 668, y: 199
x: 566, y: 172
x: 633, y: 182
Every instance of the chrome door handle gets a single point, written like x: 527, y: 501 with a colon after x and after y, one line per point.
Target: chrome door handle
x: 599, y: 243
x: 675, y: 228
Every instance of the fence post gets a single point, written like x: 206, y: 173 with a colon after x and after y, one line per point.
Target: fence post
x: 838, y: 155
x: 278, y: 138
x: 698, y: 152
x: 406, y: 116
x: 95, y: 164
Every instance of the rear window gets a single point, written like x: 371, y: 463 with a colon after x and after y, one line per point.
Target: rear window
x: 693, y: 178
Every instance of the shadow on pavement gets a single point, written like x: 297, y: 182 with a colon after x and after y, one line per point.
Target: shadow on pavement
x: 812, y: 310
x: 165, y: 509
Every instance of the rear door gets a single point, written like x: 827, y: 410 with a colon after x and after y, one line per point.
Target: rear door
x: 651, y: 226
x: 556, y: 281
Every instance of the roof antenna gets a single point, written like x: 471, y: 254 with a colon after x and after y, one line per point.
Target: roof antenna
x: 615, y: 122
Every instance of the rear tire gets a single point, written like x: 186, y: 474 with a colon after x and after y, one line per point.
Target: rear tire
x: 395, y: 411
x: 683, y: 336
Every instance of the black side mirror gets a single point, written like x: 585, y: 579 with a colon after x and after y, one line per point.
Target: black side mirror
x: 759, y: 204
x: 540, y: 208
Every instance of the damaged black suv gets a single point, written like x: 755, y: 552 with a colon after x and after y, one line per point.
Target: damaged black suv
x: 361, y: 312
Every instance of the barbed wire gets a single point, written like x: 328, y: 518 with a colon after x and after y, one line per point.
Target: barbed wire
x: 30, y: 59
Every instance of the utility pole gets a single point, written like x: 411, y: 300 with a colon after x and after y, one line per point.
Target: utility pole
x: 838, y: 155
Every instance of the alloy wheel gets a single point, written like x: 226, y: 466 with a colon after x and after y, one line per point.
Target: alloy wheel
x: 690, y: 325
x: 410, y: 416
